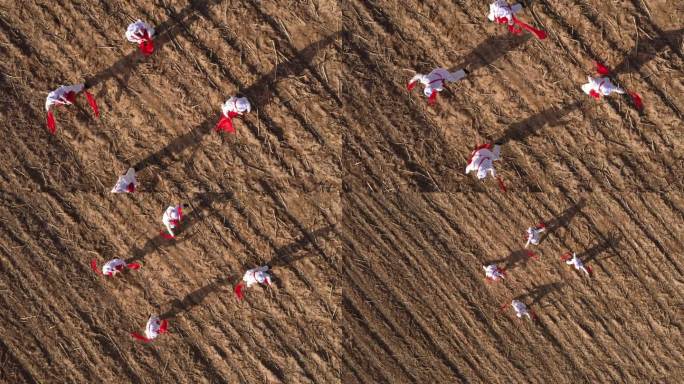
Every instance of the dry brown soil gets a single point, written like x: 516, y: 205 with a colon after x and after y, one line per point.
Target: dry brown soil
x: 349, y: 186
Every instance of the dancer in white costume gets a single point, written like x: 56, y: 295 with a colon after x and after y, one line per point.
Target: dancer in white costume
x: 253, y: 276
x: 155, y: 327
x: 112, y: 267
x: 493, y: 272
x: 503, y: 13
x: 534, y: 234
x: 482, y: 160
x: 142, y: 34
x: 126, y: 183
x: 435, y: 81
x: 576, y: 262
x: 172, y: 218
x: 66, y: 95
x: 233, y: 107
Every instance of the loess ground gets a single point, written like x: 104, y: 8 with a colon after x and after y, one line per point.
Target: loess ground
x: 349, y: 186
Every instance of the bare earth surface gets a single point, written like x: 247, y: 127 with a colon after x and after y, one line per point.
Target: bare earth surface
x: 349, y: 186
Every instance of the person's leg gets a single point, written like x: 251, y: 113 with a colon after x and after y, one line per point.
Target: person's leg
x: 516, y: 7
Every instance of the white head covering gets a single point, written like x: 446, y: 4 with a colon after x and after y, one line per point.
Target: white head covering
x: 602, y: 85
x: 58, y: 96
x: 238, y: 105
x: 500, y: 8
x: 152, y: 327
x: 434, y: 81
x: 257, y: 275
x: 134, y: 31
x: 482, y: 161
x: 112, y: 266
x: 520, y: 308
x: 124, y: 181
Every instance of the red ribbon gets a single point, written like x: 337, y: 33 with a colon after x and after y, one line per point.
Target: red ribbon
x: 238, y: 291
x: 432, y: 98
x: 51, y: 123
x: 636, y: 99
x: 93, y: 104
x: 602, y: 69
x: 501, y: 184
x: 140, y: 337
x: 93, y: 265
x: 541, y: 35
x: 225, y: 125
x: 146, y: 46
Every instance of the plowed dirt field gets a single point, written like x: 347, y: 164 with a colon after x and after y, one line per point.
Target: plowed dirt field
x: 350, y: 187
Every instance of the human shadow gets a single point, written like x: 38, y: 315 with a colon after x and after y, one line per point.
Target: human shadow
x: 592, y: 253
x: 257, y: 92
x: 562, y: 220
x: 193, y: 299
x: 537, y: 294
x: 646, y: 50
x: 521, y: 130
x: 164, y: 32
x: 513, y: 260
x: 490, y: 50
x: 290, y: 253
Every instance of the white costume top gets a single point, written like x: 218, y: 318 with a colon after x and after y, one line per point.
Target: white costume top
x: 602, y: 85
x: 577, y: 263
x: 434, y: 81
x: 58, y: 96
x: 493, y: 272
x: 238, y: 105
x: 520, y: 308
x: 152, y: 327
x: 482, y: 162
x: 500, y: 8
x: 533, y: 235
x: 113, y: 266
x: 135, y: 31
x: 172, y: 213
x: 124, y: 181
x: 257, y: 275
